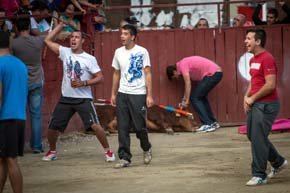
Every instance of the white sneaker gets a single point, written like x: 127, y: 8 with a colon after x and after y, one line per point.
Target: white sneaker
x: 255, y: 181
x: 50, y: 156
x: 209, y: 129
x: 216, y: 125
x: 122, y: 164
x: 275, y: 171
x: 202, y: 128
x: 110, y: 156
x: 147, y: 156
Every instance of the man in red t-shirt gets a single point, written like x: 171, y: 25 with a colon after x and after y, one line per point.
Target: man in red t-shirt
x: 262, y: 106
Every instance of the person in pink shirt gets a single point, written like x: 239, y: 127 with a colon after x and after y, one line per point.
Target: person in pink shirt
x: 208, y: 74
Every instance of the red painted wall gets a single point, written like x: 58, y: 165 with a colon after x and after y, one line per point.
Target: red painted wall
x: 224, y: 46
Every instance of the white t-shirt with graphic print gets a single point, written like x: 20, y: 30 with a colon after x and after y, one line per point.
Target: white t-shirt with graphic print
x: 77, y: 66
x: 131, y: 63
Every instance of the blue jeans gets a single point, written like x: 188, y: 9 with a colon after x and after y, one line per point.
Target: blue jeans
x: 198, y: 98
x: 35, y: 97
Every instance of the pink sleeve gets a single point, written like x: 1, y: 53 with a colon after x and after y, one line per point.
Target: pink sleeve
x: 184, y: 68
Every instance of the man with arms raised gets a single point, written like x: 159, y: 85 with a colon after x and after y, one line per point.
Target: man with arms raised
x: 81, y: 71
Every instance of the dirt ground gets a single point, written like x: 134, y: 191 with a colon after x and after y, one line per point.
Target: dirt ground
x: 216, y: 162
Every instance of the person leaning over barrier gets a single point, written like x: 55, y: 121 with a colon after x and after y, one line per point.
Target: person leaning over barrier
x: 208, y: 74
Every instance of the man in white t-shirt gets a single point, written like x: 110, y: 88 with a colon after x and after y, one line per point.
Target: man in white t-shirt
x: 131, y: 94
x: 81, y: 70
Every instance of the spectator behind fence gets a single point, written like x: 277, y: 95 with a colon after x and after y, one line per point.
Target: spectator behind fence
x: 72, y: 23
x: 10, y: 6
x: 202, y: 23
x: 60, y: 5
x: 3, y: 25
x: 96, y: 18
x: 39, y: 26
x: 129, y: 20
x: 239, y: 20
x: 272, y: 15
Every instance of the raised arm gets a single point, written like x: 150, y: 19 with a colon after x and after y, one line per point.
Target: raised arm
x: 88, y: 4
x: 49, y: 40
x: 255, y: 17
x: 77, y: 5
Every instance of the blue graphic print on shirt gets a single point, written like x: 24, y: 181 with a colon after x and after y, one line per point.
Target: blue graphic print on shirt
x: 136, y: 66
x: 74, y: 70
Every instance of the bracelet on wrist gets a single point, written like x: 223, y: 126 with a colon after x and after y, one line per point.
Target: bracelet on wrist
x: 85, y: 83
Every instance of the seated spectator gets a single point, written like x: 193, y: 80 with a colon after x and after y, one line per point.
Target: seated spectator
x: 60, y: 5
x: 240, y: 20
x: 3, y: 25
x: 72, y: 23
x: 39, y: 26
x: 202, y: 23
x: 272, y: 15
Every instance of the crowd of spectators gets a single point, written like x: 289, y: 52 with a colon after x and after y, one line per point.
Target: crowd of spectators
x: 88, y: 16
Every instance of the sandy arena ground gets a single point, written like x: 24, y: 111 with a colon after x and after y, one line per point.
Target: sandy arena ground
x: 216, y: 162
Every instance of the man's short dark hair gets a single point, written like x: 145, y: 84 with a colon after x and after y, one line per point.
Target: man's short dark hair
x: 260, y: 34
x: 4, y: 39
x: 23, y: 24
x: 132, y: 29
x: 83, y: 35
x: 274, y: 12
x: 170, y: 71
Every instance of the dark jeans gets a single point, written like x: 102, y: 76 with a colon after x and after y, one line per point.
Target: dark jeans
x: 198, y: 98
x: 259, y: 125
x: 131, y: 112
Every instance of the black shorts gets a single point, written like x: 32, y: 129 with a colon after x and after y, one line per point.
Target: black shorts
x: 65, y: 109
x: 12, y: 138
